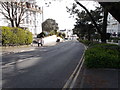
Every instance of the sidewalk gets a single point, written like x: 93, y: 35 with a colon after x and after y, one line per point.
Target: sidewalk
x: 98, y: 78
x: 17, y: 49
x: 48, y: 41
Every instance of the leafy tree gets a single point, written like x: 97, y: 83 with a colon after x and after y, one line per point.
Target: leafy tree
x: 84, y: 26
x: 59, y: 34
x: 53, y: 32
x: 63, y: 35
x: 49, y: 25
x: 102, y: 31
x: 41, y: 35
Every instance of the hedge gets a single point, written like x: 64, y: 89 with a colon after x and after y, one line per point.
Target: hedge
x: 15, y: 36
x: 103, y: 56
x: 59, y: 34
x: 87, y: 43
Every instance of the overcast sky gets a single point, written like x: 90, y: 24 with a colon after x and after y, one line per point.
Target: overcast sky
x: 57, y: 11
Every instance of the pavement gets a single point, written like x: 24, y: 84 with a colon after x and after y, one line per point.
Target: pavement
x: 17, y: 49
x: 98, y: 78
x: 87, y: 78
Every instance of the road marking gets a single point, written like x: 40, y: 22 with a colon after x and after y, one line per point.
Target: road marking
x: 72, y: 79
x: 18, y: 51
x: 27, y: 50
x: 22, y: 50
x: 8, y: 64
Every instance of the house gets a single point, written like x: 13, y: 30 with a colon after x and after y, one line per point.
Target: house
x: 113, y: 26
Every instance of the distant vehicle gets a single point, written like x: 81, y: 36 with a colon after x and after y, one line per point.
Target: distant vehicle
x: 58, y: 40
x: 66, y: 38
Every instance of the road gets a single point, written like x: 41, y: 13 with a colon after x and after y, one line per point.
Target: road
x: 45, y: 67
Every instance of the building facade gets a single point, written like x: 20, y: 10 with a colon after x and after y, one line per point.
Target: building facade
x: 32, y: 19
x: 113, y: 26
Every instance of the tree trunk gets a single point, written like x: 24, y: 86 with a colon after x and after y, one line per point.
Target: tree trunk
x: 104, y: 29
x: 89, y: 35
x: 12, y: 23
x: 95, y: 24
x: 103, y: 38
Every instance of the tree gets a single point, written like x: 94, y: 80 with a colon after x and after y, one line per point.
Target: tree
x: 49, y: 25
x: 102, y: 31
x: 41, y: 35
x: 84, y: 26
x: 14, y: 11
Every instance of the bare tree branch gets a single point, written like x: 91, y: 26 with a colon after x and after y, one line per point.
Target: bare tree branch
x: 13, y: 11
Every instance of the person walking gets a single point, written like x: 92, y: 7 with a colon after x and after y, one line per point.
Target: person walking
x: 40, y: 42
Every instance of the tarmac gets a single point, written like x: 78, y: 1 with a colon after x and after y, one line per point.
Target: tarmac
x: 98, y: 78
x: 87, y: 78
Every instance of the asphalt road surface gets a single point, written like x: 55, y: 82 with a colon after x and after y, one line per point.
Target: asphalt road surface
x: 45, y: 67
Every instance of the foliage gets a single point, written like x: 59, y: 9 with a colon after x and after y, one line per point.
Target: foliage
x: 115, y: 39
x: 62, y: 35
x: 96, y: 36
x: 49, y: 25
x: 103, y: 56
x: 98, y: 18
x: 29, y: 38
x: 15, y: 36
x: 52, y: 32
x: 84, y: 26
x: 86, y: 42
x: 59, y: 34
x: 41, y: 35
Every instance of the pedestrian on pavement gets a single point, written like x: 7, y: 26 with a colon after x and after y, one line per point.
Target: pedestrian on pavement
x: 40, y: 42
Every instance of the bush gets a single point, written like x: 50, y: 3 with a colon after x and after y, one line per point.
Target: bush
x: 41, y: 35
x: 109, y: 40
x: 59, y: 34
x: 86, y: 42
x: 6, y: 35
x: 103, y: 56
x: 63, y: 35
x: 115, y: 39
x: 15, y: 36
x: 29, y: 38
x: 52, y: 32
